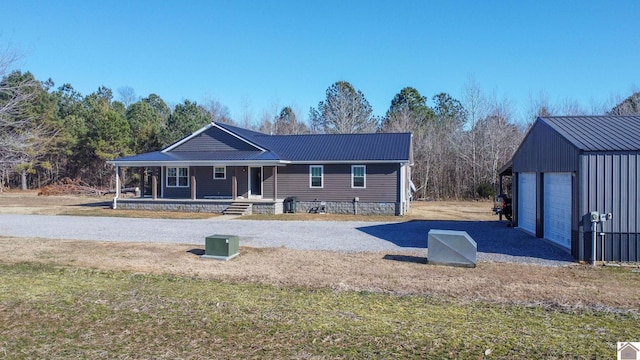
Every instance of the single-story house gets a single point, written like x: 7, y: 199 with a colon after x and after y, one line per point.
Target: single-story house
x: 222, y: 167
x: 570, y: 166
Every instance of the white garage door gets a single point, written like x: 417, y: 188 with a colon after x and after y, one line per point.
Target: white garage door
x: 557, y: 208
x: 527, y: 201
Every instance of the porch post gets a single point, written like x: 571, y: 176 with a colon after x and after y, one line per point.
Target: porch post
x: 115, y: 198
x: 275, y: 183
x: 141, y: 186
x: 234, y: 185
x: 154, y: 183
x: 193, y: 187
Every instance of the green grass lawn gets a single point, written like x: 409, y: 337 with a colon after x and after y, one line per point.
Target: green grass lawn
x: 52, y: 312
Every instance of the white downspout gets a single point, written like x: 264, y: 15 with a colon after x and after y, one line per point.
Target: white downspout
x: 115, y: 198
x: 402, y: 188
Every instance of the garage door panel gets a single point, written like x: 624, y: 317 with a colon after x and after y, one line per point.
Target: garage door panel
x: 527, y: 201
x: 557, y: 208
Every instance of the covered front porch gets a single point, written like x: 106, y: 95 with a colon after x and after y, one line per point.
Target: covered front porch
x: 200, y: 188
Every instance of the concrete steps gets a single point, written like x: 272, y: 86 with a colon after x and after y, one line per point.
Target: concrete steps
x: 238, y: 208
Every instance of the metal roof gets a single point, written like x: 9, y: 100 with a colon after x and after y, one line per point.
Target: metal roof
x: 598, y: 133
x: 281, y: 149
x: 339, y: 147
x: 331, y: 147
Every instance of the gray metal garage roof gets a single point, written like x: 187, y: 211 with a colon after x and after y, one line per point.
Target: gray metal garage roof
x: 598, y: 133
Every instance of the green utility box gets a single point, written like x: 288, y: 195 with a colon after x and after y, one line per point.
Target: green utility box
x: 221, y: 247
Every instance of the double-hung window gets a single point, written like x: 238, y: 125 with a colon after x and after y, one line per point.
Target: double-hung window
x: 219, y: 172
x: 316, y: 176
x: 358, y: 176
x: 177, y: 177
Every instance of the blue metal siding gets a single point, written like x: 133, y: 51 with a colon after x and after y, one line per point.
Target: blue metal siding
x: 544, y: 150
x: 609, y: 183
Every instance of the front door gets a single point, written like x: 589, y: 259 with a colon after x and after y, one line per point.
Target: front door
x: 255, y: 182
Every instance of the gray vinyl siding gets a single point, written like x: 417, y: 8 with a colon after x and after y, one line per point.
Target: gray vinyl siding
x: 267, y: 182
x: 176, y: 192
x: 213, y: 140
x: 544, y: 150
x: 610, y: 183
x: 206, y: 185
x: 382, y: 183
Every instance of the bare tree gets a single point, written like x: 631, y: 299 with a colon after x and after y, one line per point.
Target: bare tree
x: 217, y: 111
x: 628, y: 106
x: 247, y: 116
x: 570, y: 107
x: 475, y: 103
x: 539, y: 106
x: 21, y: 136
x: 127, y: 95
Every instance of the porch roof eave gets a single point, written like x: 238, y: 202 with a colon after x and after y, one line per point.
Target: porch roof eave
x: 196, y: 163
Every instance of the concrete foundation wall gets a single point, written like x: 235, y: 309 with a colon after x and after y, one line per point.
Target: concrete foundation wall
x: 269, y: 208
x: 350, y: 207
x: 185, y: 206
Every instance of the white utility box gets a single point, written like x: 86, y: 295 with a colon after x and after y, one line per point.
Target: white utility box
x: 454, y: 248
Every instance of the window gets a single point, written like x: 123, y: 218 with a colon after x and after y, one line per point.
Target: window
x: 219, y: 172
x: 315, y: 176
x: 177, y: 177
x: 358, y: 177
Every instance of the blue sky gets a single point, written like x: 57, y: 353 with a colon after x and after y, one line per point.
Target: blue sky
x: 254, y: 56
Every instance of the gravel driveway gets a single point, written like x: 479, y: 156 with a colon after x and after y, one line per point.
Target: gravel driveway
x: 496, y: 242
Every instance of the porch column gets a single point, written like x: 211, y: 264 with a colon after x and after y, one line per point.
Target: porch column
x: 234, y: 185
x: 154, y: 183
x: 275, y: 183
x: 193, y: 187
x: 115, y: 198
x: 141, y: 186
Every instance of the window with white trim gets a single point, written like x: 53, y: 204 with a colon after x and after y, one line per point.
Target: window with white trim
x: 177, y: 177
x: 316, y: 176
x: 219, y: 172
x: 358, y: 176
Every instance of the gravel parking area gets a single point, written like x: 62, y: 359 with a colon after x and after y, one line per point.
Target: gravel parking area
x: 496, y: 242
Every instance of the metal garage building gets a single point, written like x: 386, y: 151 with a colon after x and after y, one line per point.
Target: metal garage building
x: 567, y: 167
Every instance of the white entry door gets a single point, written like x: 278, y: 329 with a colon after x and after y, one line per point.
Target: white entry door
x: 527, y: 202
x: 557, y: 208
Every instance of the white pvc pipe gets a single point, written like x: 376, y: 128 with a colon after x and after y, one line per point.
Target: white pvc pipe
x: 593, y: 242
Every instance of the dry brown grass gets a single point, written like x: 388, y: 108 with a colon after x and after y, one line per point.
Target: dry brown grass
x: 575, y: 286
x: 579, y: 286
x: 30, y: 203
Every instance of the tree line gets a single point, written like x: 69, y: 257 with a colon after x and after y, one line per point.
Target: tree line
x: 48, y: 133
